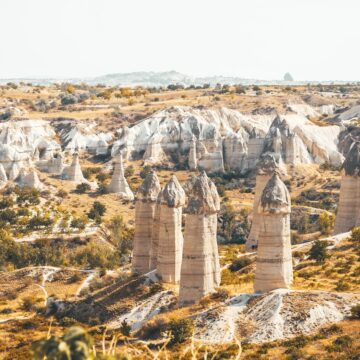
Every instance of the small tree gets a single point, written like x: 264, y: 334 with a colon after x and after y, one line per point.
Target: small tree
x: 181, y: 330
x: 82, y: 188
x: 145, y: 171
x: 325, y: 222
x: 318, y: 251
x: 125, y: 328
x: 355, y: 234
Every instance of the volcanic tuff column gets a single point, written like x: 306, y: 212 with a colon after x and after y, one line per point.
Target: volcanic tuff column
x: 118, y: 182
x: 200, y: 269
x: 172, y: 199
x: 266, y: 167
x: 192, y: 154
x: 73, y: 172
x: 274, y: 259
x: 348, y: 215
x: 3, y: 177
x: 155, y: 235
x: 145, y: 206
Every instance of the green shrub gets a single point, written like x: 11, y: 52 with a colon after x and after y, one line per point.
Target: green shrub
x: 125, y: 328
x: 355, y: 311
x: 82, y: 188
x: 318, y: 251
x: 239, y: 264
x: 181, y: 330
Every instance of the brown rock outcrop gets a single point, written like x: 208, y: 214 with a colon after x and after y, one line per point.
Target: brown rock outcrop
x: 274, y: 259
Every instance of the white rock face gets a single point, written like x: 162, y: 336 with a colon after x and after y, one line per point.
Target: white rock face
x: 29, y: 179
x: 348, y: 215
x: 200, y: 269
x: 54, y: 166
x: 227, y: 138
x: 3, y: 176
x: 274, y: 259
x: 21, y: 140
x: 170, y: 245
x: 76, y: 136
x: 119, y: 184
x: 145, y: 206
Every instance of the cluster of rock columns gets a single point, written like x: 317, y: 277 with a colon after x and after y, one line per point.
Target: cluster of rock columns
x: 145, y: 206
x: 348, y: 215
x: 200, y: 270
x: 274, y: 259
x: 170, y: 239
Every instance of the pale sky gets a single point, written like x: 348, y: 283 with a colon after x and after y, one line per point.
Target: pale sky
x: 312, y: 39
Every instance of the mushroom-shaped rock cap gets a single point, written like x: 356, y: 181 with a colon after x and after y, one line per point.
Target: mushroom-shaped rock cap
x: 268, y: 164
x: 351, y: 164
x: 149, y: 189
x: 204, y: 198
x: 275, y: 198
x: 173, y: 195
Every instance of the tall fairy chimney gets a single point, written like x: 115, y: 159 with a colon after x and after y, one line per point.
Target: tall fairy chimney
x: 200, y: 269
x: 268, y: 164
x: 119, y: 184
x: 192, y: 154
x: 348, y: 215
x: 74, y: 172
x: 274, y: 259
x: 145, y: 206
x: 170, y: 246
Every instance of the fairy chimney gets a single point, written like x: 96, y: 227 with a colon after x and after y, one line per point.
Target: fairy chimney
x: 3, y: 177
x: 145, y: 206
x: 170, y: 245
x: 155, y: 235
x: 348, y: 215
x: 192, y: 154
x: 200, y: 269
x: 268, y: 164
x: 118, y: 183
x: 274, y: 260
x: 74, y: 172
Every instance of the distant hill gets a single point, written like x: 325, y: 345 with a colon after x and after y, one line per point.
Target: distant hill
x: 156, y: 79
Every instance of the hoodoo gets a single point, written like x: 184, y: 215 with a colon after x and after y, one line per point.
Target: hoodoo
x: 155, y: 235
x: 73, y: 172
x: 170, y: 245
x: 348, y: 215
x: 267, y: 166
x: 200, y: 269
x: 192, y: 154
x: 118, y: 183
x: 274, y: 260
x: 145, y: 206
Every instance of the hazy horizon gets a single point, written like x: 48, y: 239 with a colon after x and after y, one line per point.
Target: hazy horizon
x: 257, y: 39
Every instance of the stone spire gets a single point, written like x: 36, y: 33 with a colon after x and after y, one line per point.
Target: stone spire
x: 192, y: 154
x: 14, y: 171
x: 145, y: 206
x: 74, y: 172
x: 29, y: 179
x: 118, y: 183
x: 266, y: 167
x: 200, y: 269
x: 274, y: 260
x: 170, y: 246
x: 3, y: 177
x: 348, y: 215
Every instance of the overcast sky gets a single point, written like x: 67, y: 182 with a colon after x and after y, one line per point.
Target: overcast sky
x: 312, y: 39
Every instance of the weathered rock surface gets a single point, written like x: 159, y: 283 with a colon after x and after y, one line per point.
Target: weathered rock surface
x: 267, y: 166
x: 274, y: 259
x: 119, y: 184
x: 227, y: 138
x: 74, y: 172
x: 3, y: 176
x: 145, y: 206
x: 348, y: 215
x: 170, y: 245
x: 200, y: 269
x: 29, y: 179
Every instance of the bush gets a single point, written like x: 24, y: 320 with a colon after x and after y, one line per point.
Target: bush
x: 79, y: 222
x: 355, y: 234
x: 342, y: 285
x: 145, y: 171
x: 355, y: 311
x: 239, y: 264
x: 125, y: 328
x: 181, y: 330
x: 82, y: 188
x: 28, y: 303
x: 318, y: 251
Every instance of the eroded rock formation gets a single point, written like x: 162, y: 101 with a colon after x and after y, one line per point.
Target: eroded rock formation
x: 145, y: 207
x: 3, y: 176
x: 170, y: 244
x: 348, y: 215
x: 119, y: 184
x: 267, y: 166
x: 29, y: 179
x: 74, y: 172
x: 200, y: 269
x: 274, y: 260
